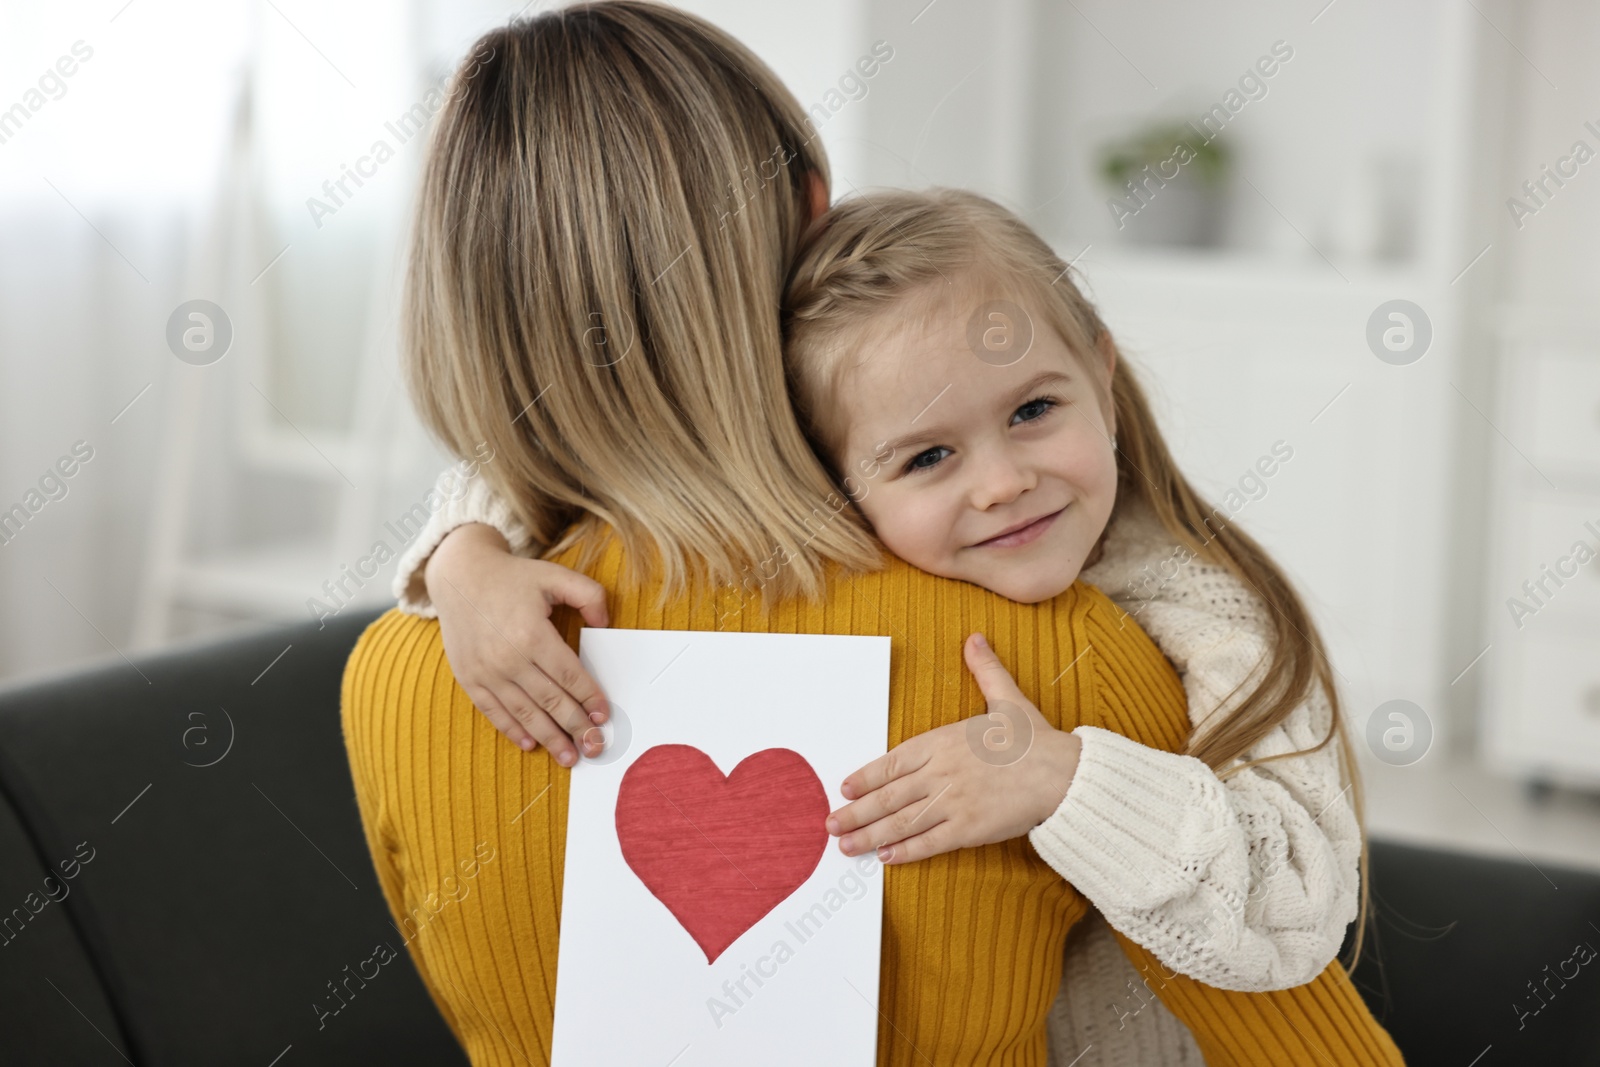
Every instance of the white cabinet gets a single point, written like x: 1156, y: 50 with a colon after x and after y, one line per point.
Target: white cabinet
x: 1542, y: 715
x: 1562, y: 388
x: 1241, y: 353
x: 1555, y: 700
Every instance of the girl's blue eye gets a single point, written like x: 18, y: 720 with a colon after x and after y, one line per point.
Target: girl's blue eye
x: 927, y: 458
x: 1033, y: 409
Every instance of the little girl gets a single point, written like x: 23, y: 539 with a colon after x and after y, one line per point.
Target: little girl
x: 1021, y: 467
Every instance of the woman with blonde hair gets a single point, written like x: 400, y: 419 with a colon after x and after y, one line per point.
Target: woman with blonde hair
x: 593, y: 295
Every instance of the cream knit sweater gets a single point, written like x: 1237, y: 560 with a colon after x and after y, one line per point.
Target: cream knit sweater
x: 1246, y: 883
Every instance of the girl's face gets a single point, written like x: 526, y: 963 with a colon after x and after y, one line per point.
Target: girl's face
x: 1003, y: 476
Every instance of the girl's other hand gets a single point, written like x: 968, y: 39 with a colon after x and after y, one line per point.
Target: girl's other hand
x: 989, y: 778
x: 494, y: 615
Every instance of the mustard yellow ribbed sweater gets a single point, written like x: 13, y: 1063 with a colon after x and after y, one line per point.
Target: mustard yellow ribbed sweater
x: 468, y: 833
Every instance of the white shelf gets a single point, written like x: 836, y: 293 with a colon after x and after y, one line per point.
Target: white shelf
x: 1255, y: 271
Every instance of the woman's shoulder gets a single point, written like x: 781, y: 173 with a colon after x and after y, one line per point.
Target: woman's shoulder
x: 396, y: 634
x: 1117, y: 634
x: 395, y: 660
x: 897, y: 598
x: 1081, y: 613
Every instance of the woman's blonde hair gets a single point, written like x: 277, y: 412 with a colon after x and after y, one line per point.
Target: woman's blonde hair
x: 610, y: 203
x: 907, y: 253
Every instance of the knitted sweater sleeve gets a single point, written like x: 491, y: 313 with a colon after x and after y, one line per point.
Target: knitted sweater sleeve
x: 453, y: 502
x: 1245, y: 883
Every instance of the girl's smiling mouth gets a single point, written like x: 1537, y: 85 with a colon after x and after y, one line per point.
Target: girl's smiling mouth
x: 1024, y: 534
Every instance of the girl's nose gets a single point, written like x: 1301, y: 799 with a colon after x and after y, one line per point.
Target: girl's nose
x: 1000, y: 480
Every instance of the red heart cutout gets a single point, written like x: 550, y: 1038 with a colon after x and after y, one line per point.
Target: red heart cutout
x: 721, y: 852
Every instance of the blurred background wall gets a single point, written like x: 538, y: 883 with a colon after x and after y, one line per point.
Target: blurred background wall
x: 1378, y: 258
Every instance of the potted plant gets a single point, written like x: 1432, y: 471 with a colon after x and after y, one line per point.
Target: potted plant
x: 1167, y: 184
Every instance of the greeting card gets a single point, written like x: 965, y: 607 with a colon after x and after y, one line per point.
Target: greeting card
x: 707, y: 917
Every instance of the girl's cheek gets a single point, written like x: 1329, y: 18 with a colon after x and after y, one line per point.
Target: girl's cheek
x: 1098, y: 454
x: 913, y: 532
x: 1091, y: 460
x: 1108, y: 465
x: 882, y: 516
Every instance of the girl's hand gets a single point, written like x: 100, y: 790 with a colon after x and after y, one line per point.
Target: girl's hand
x: 990, y: 778
x: 494, y: 616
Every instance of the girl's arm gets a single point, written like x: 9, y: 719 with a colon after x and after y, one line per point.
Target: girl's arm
x: 1246, y: 883
x: 494, y: 609
x: 460, y: 503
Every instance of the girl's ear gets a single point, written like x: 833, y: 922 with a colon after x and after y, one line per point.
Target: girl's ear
x: 1108, y: 353
x: 1107, y: 350
x: 816, y: 196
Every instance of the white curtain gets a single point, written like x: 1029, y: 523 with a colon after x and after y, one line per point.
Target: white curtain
x: 110, y: 181
x: 114, y: 137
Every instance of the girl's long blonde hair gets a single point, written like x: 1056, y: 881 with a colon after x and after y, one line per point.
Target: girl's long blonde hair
x: 611, y: 200
x: 876, y: 253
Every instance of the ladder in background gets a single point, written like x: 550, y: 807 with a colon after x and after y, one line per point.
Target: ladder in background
x: 382, y: 447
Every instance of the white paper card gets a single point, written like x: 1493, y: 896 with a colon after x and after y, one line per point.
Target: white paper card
x: 799, y: 986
